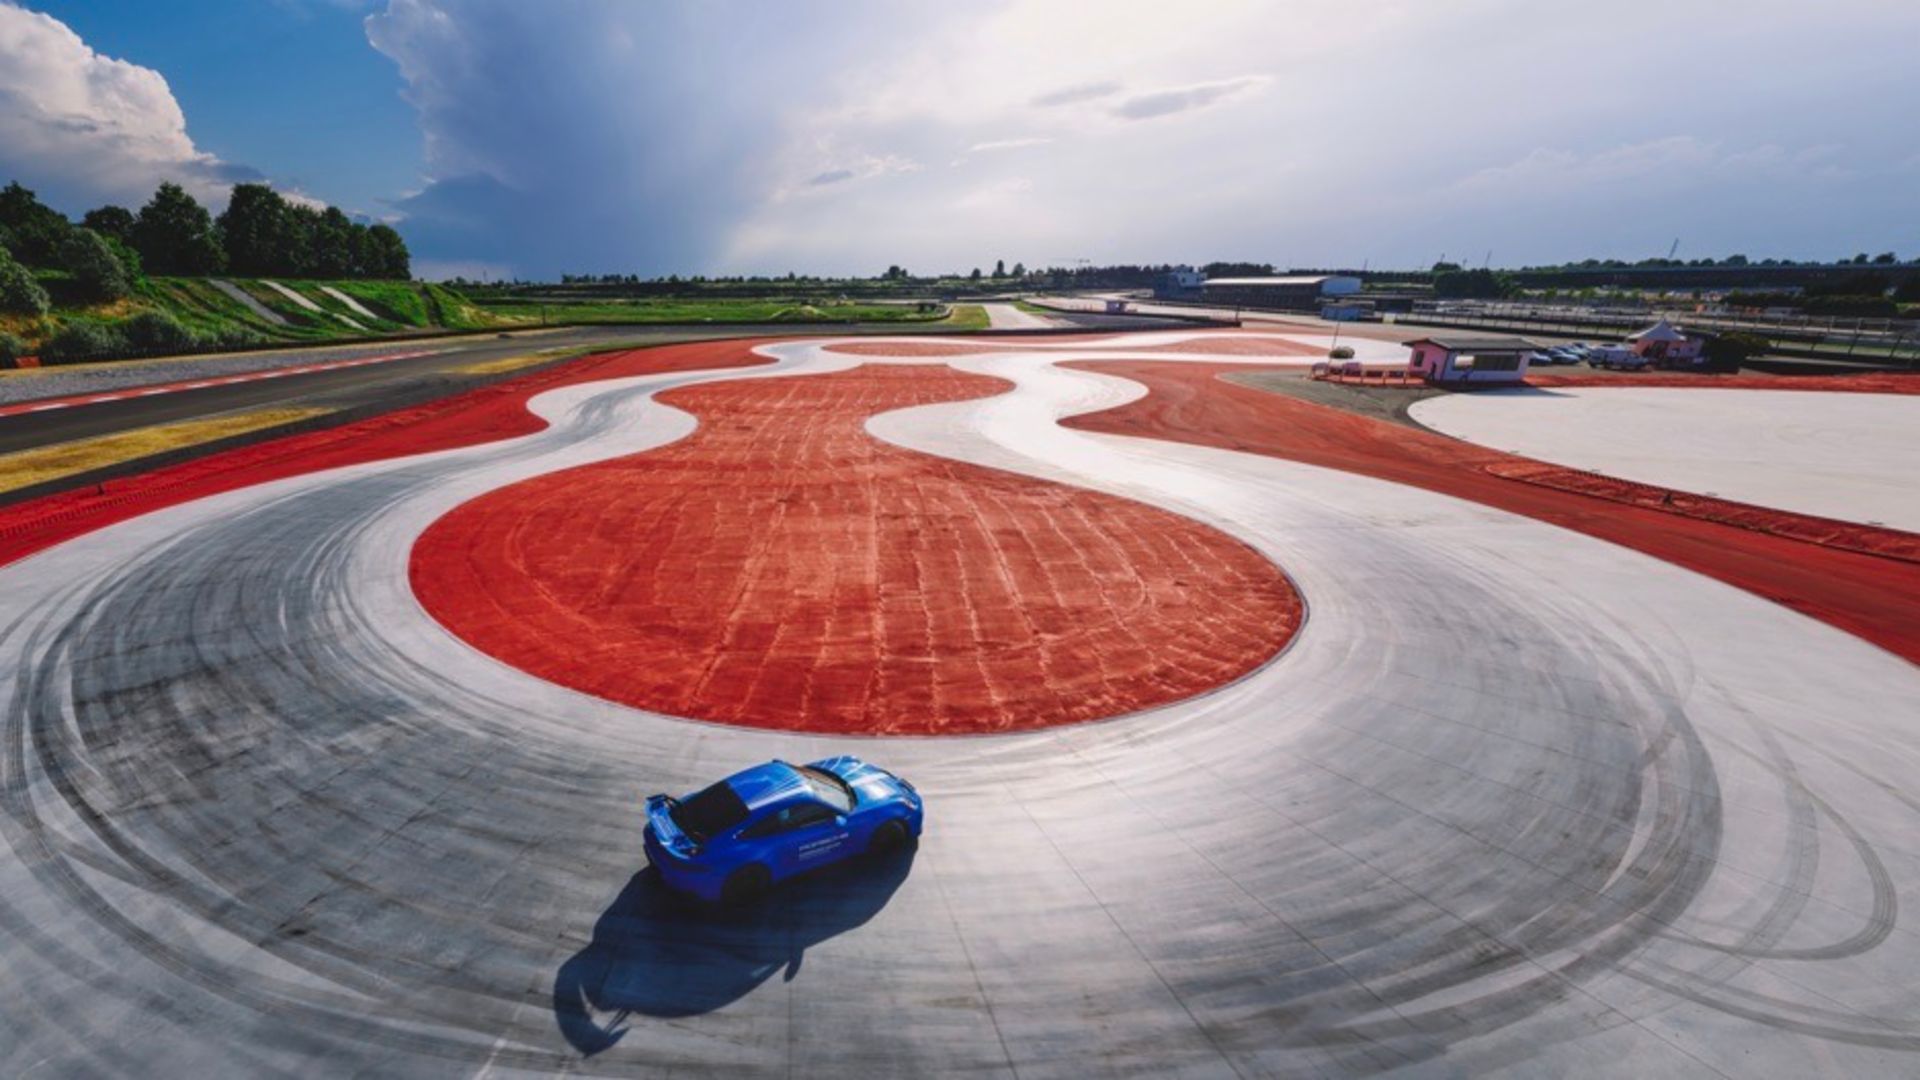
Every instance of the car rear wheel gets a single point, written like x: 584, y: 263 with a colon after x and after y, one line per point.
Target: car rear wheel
x: 745, y: 885
x: 889, y: 837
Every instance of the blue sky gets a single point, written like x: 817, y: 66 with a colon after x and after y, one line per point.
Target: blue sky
x: 290, y: 85
x: 513, y: 138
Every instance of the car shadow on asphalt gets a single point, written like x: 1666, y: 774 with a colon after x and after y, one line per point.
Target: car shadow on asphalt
x: 657, y: 953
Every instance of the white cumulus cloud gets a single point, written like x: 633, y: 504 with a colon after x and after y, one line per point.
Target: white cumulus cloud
x: 84, y: 129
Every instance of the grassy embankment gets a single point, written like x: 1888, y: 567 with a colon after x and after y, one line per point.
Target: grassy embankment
x: 701, y: 310
x: 212, y: 318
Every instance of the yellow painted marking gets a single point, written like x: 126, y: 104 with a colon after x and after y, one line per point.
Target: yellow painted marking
x: 511, y: 363
x: 37, y: 466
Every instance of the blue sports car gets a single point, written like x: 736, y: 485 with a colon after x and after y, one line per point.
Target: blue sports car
x: 731, y: 841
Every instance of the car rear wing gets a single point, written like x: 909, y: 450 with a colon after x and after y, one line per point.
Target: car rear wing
x: 665, y: 829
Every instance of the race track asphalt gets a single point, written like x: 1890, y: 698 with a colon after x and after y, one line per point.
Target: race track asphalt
x: 1514, y: 799
x: 357, y: 389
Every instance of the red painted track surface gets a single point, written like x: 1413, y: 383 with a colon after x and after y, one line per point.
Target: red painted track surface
x: 1873, y: 597
x: 1219, y: 343
x: 782, y: 568
x: 931, y: 349
x: 494, y: 412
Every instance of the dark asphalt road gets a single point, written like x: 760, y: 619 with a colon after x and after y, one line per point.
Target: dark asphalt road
x: 395, y: 383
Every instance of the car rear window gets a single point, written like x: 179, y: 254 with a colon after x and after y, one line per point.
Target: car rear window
x: 710, y: 813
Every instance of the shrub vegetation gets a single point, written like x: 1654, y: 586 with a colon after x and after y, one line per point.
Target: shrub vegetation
x: 98, y: 273
x: 20, y: 294
x: 79, y: 341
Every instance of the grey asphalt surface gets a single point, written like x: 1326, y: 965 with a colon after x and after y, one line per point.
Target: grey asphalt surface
x: 358, y: 388
x: 1514, y: 800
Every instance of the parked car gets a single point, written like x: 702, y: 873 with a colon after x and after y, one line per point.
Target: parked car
x: 1561, y: 354
x: 1616, y: 357
x: 732, y: 841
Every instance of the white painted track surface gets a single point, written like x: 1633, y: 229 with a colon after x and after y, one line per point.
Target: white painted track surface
x: 1008, y: 317
x: 1853, y: 457
x: 1515, y: 800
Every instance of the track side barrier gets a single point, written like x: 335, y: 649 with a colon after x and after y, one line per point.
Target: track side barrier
x: 1355, y: 373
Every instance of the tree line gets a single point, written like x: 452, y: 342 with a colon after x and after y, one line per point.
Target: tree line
x: 260, y: 234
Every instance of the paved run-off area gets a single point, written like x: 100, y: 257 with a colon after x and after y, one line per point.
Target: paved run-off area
x: 1845, y: 456
x: 1513, y: 798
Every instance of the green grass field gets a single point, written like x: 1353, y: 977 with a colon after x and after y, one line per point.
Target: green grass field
x: 965, y: 317
x: 214, y: 318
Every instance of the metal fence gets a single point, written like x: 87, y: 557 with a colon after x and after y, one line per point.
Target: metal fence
x: 1889, y: 341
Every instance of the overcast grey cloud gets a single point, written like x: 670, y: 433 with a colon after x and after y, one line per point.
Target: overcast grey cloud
x: 1179, y: 99
x: 596, y: 135
x: 601, y: 136
x: 1074, y: 95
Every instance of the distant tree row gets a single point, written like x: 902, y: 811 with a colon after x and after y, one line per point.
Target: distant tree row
x: 1452, y: 282
x: 261, y: 234
x: 1885, y: 258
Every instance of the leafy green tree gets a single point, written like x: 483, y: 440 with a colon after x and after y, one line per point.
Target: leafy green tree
x: 129, y: 258
x: 257, y: 229
x: 20, y: 294
x: 1000, y: 268
x: 1020, y: 269
x: 385, y: 255
x: 302, y: 253
x: 34, y: 230
x: 1481, y: 284
x: 98, y: 273
x: 11, y: 349
x: 174, y: 235
x: 1726, y: 352
x: 975, y: 276
x: 112, y: 222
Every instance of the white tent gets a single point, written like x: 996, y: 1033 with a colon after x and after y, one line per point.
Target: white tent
x: 1663, y: 343
x: 1660, y: 331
